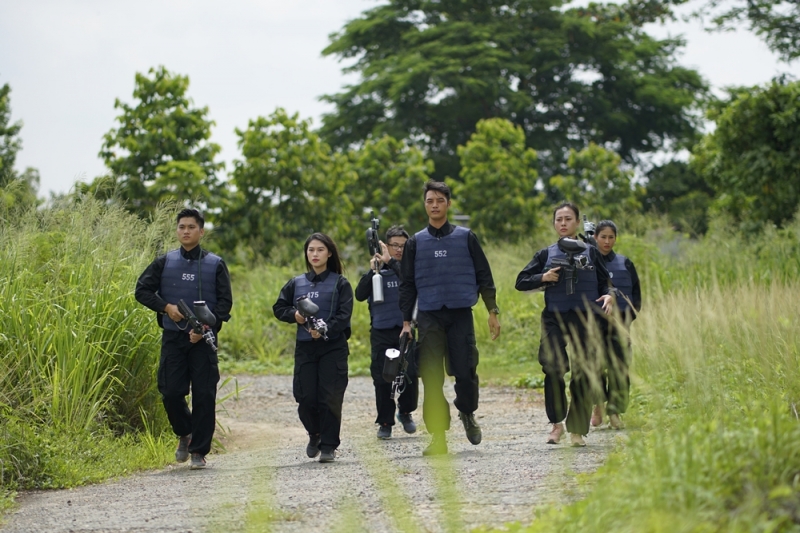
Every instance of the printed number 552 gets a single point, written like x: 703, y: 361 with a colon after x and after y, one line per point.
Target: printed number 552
x: 440, y: 253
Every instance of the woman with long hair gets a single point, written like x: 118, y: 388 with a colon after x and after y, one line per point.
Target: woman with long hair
x: 623, y: 276
x: 321, y: 349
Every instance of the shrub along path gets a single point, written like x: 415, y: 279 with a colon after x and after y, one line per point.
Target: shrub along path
x: 265, y: 482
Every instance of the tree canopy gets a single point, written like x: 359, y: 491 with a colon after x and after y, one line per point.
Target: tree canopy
x: 16, y: 189
x: 160, y: 149
x: 430, y: 70
x: 390, y: 176
x: 776, y: 22
x: 752, y: 159
x: 10, y: 142
x: 596, y: 181
x: 498, y: 181
x: 287, y: 185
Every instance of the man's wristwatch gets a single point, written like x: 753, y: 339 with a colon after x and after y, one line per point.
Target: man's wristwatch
x: 495, y: 311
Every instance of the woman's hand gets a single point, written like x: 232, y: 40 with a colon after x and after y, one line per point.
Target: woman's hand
x: 608, y: 303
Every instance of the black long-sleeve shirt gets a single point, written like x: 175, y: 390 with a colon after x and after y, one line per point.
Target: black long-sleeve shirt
x: 284, y: 307
x: 149, y: 284
x: 364, y: 287
x: 483, y: 272
x: 530, y: 279
x: 636, y: 292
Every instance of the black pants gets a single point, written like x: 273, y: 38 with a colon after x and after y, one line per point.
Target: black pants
x: 381, y: 340
x: 585, y: 334
x: 184, y: 366
x: 616, y: 378
x: 320, y: 379
x: 447, y: 343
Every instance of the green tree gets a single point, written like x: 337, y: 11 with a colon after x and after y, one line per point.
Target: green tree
x: 10, y: 142
x: 430, y: 70
x: 16, y: 190
x: 160, y: 149
x: 498, y: 181
x: 776, y: 22
x: 752, y: 159
x: 598, y: 184
x: 684, y: 196
x: 288, y: 185
x: 391, y: 175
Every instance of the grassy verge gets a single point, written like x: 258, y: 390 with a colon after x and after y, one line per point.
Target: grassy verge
x: 77, y: 389
x: 713, y: 438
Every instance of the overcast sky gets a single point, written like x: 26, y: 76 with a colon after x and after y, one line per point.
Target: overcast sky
x: 67, y: 60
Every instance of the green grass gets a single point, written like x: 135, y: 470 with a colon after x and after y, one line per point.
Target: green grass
x: 713, y: 432
x: 713, y: 425
x: 77, y: 388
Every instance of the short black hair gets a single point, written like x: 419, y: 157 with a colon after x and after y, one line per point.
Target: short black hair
x: 603, y: 224
x: 191, y: 213
x: 438, y: 186
x: 572, y: 206
x: 396, y: 231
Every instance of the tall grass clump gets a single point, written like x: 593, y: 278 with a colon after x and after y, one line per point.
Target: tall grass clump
x: 713, y: 434
x: 78, y: 353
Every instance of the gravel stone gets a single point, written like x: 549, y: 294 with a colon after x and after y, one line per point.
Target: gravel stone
x: 266, y: 481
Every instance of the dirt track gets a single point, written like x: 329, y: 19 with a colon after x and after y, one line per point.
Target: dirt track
x: 266, y: 483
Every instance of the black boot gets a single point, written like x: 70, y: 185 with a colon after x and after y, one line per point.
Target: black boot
x: 312, y: 449
x: 471, y: 427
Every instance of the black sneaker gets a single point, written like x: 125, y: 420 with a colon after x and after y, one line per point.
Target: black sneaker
x: 182, y: 453
x: 312, y: 450
x: 408, y: 423
x: 198, y: 461
x: 384, y: 432
x: 327, y: 456
x: 471, y: 427
x: 438, y: 445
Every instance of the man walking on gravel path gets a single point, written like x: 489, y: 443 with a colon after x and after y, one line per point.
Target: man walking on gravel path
x: 386, y: 322
x: 191, y: 274
x: 444, y: 269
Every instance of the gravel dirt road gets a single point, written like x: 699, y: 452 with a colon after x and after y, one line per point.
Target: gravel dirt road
x: 265, y: 482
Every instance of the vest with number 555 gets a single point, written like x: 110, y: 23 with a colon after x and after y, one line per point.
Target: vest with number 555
x: 188, y: 280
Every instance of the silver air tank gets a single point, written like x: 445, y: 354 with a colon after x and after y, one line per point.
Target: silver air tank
x: 377, y: 287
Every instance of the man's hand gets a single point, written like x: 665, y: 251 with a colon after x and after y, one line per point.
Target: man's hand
x: 300, y: 319
x: 406, y: 329
x: 608, y: 303
x: 172, y: 311
x: 551, y: 275
x: 494, y: 326
x: 315, y: 334
x: 384, y: 255
x: 195, y: 337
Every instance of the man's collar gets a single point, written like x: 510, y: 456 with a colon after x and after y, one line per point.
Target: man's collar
x: 446, y: 229
x: 194, y: 253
